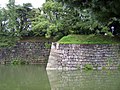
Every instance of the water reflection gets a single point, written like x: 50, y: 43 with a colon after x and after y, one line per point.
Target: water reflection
x: 23, y: 78
x: 36, y: 78
x: 77, y: 80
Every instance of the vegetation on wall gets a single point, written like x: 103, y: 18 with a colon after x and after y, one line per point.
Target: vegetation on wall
x: 88, y: 67
x: 19, y: 62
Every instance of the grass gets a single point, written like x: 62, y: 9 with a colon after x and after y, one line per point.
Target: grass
x: 89, y: 39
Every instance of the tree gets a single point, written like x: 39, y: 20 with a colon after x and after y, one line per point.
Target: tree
x: 3, y: 20
x: 12, y: 15
x: 61, y: 19
x: 15, y: 21
x: 19, y: 18
x: 24, y: 15
x: 105, y: 12
x: 48, y: 23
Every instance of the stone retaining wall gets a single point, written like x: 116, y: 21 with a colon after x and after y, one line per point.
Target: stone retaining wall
x: 76, y: 56
x: 32, y: 52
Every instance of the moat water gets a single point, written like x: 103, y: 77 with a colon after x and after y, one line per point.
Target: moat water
x: 35, y: 77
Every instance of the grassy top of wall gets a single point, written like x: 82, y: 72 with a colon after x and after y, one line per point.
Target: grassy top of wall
x: 89, y: 39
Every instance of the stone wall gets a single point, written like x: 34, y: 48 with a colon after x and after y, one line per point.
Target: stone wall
x: 76, y: 56
x: 32, y: 52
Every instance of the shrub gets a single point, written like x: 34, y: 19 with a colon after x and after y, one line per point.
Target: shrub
x: 88, y: 67
x: 119, y: 67
x: 104, y: 68
x: 19, y: 62
x: 15, y: 62
x: 47, y: 45
x: 23, y: 62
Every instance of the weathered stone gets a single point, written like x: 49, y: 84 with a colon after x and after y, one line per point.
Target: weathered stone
x: 27, y: 51
x: 74, y: 54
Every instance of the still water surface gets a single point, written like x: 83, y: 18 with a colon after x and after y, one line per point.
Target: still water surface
x: 33, y: 77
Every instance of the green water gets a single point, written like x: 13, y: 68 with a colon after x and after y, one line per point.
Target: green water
x: 23, y: 78
x: 84, y: 80
x: 33, y: 77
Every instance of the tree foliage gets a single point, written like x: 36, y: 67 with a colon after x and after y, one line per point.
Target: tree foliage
x: 15, y: 21
x: 63, y: 17
x: 104, y: 12
x: 58, y: 18
x: 24, y: 15
x: 49, y: 23
x: 80, y: 17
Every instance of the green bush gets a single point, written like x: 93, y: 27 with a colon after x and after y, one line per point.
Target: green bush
x: 19, y: 62
x: 104, y: 68
x: 88, y: 67
x: 47, y: 45
x: 23, y: 62
x: 119, y: 67
x: 15, y: 62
